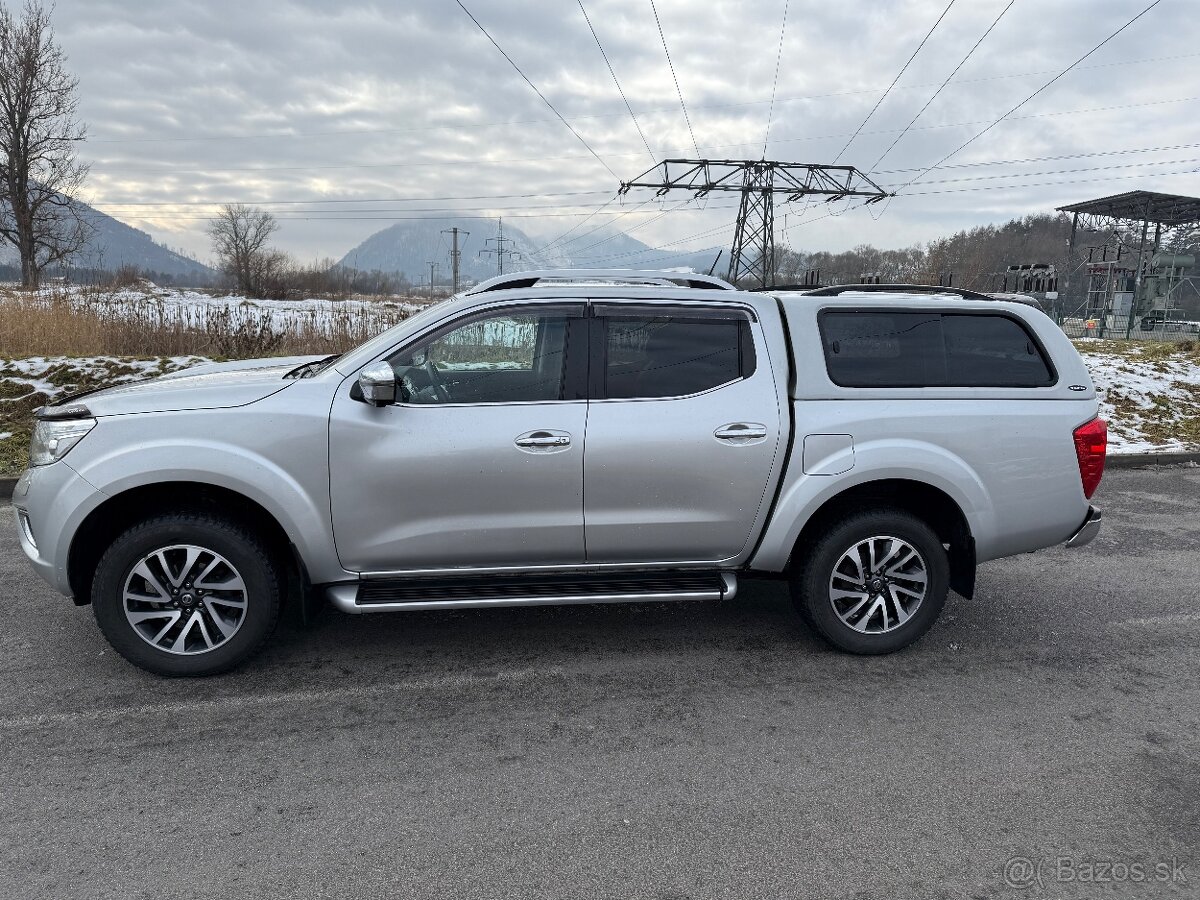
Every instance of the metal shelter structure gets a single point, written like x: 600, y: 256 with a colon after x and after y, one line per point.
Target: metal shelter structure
x: 1117, y: 285
x: 759, y: 181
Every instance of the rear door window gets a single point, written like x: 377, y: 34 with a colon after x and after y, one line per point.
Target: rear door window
x: 649, y: 355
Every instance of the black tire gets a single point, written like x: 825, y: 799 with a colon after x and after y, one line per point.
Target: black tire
x: 811, y: 580
x: 237, y: 544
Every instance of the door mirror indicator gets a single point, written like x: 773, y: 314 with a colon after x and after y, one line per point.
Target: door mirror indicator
x: 378, y: 384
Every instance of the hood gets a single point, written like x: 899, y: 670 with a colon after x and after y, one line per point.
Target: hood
x: 207, y: 386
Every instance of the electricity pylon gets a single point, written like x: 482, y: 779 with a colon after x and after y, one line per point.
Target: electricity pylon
x: 455, y: 253
x: 752, y: 258
x: 500, y: 249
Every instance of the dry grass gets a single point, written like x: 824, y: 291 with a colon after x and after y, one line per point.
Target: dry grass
x: 138, y: 330
x: 89, y: 323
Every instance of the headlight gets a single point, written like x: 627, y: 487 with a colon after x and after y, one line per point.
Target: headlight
x: 52, y: 439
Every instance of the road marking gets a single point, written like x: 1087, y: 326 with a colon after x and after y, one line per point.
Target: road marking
x: 517, y: 676
x: 1154, y: 621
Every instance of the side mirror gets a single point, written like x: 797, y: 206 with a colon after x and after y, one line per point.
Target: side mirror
x: 378, y: 384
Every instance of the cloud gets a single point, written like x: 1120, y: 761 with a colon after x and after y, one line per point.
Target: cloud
x: 191, y: 103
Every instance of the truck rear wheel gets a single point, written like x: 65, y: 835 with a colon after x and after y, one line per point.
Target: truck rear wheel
x: 186, y: 594
x: 873, y: 582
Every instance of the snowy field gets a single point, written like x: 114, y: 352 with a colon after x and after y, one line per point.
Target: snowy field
x: 168, y: 305
x: 1150, y: 392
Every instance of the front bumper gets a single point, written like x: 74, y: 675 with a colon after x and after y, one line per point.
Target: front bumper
x: 50, y: 502
x: 1088, y: 530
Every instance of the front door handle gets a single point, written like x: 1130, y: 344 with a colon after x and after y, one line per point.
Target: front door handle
x: 543, y: 440
x: 741, y: 433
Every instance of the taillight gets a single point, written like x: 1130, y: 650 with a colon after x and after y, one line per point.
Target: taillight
x: 1091, y: 443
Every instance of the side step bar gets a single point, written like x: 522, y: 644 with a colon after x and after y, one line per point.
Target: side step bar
x: 475, y: 591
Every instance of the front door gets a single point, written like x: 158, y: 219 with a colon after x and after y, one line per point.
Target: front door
x: 682, y: 433
x: 479, y: 463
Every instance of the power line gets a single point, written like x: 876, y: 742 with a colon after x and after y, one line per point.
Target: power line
x: 1041, y: 115
x: 1033, y: 159
x: 775, y: 83
x: 1002, y: 187
x: 903, y: 69
x: 452, y: 214
x: 942, y: 86
x: 966, y: 165
x: 613, y: 73
x: 542, y: 159
x: 523, y: 122
x: 536, y: 91
x: 678, y: 91
x: 579, y: 225
x: 1039, y: 91
x: 1163, y: 162
x: 355, y: 199
x: 649, y: 221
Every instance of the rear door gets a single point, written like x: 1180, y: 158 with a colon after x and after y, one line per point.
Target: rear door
x: 683, y: 429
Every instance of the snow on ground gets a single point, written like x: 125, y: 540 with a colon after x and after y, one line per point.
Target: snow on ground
x: 57, y: 375
x: 26, y: 384
x: 1149, y: 393
x: 150, y: 302
x: 283, y: 314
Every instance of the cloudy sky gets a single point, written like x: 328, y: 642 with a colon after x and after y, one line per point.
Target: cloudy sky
x: 342, y: 117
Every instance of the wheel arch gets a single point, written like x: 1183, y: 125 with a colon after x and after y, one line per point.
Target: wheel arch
x: 117, y: 513
x: 920, y: 499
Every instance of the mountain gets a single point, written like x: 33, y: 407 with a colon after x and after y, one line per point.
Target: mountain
x: 114, y: 244
x: 408, y: 247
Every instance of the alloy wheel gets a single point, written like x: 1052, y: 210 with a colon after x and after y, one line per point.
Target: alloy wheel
x: 878, y: 584
x: 185, y: 599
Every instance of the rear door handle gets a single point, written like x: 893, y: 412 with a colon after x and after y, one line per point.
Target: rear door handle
x: 741, y: 433
x: 543, y: 440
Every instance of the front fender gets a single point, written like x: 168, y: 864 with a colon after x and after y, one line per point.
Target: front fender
x: 874, y: 460
x: 283, y: 469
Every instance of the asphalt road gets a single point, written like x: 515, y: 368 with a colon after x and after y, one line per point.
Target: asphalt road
x: 659, y: 751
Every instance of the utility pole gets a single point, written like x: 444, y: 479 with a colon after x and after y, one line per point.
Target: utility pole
x: 432, y: 267
x: 759, y: 181
x: 455, y: 253
x: 500, y: 241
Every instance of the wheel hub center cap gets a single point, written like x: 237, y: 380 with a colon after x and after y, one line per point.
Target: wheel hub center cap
x: 187, y: 599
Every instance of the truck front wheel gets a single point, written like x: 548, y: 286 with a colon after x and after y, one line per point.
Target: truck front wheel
x: 873, y: 582
x: 186, y: 594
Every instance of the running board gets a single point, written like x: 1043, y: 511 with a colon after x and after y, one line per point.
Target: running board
x: 475, y: 591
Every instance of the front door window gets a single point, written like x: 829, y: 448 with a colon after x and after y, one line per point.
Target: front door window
x: 510, y: 357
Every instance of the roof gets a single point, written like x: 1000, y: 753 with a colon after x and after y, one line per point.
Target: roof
x: 1162, y: 209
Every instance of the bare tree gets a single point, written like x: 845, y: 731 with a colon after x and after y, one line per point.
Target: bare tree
x: 39, y: 175
x: 239, y: 234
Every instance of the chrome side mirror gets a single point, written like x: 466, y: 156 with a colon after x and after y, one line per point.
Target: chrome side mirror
x: 378, y: 384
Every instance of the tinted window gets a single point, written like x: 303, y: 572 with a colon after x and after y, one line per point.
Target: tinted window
x: 991, y: 350
x: 930, y: 349
x: 506, y: 358
x: 672, y: 356
x: 883, y: 349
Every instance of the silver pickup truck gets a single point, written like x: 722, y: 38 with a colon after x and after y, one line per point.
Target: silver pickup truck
x: 574, y: 437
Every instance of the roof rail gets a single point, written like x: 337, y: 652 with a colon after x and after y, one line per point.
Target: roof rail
x: 655, y: 277
x: 834, y: 290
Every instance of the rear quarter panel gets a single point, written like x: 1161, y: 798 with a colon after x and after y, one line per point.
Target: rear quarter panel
x: 1005, y: 455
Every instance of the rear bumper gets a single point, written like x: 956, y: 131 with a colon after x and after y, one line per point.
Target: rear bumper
x: 1088, y: 530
